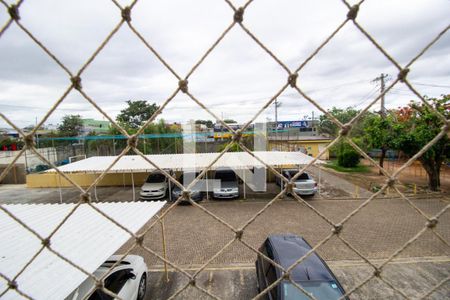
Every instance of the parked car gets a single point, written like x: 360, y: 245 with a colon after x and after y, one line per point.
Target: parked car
x: 229, y: 185
x: 156, y: 187
x: 312, y: 274
x: 128, y: 280
x: 196, y: 191
x: 304, y: 184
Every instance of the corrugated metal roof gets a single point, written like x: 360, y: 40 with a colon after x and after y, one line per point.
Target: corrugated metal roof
x: 236, y: 160
x: 86, y: 238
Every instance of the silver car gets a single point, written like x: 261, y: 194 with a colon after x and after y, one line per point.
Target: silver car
x: 226, y: 184
x: 304, y: 184
x: 155, y: 187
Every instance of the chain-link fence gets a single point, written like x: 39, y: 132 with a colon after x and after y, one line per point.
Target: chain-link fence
x: 237, y: 20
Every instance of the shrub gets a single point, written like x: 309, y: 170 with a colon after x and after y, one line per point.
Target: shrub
x: 348, y: 158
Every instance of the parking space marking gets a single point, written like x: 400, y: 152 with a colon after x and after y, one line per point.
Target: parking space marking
x: 409, y: 260
x: 333, y: 263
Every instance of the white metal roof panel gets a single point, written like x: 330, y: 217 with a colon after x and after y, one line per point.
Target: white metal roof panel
x: 86, y: 238
x: 236, y: 160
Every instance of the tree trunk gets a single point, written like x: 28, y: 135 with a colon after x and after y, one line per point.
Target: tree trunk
x: 382, y: 156
x: 433, y: 180
x: 433, y: 170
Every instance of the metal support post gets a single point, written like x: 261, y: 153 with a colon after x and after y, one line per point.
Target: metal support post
x: 244, y: 186
x: 132, y: 183
x: 163, y: 234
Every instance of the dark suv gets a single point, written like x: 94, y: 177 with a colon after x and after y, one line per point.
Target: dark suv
x: 312, y: 274
x: 196, y: 191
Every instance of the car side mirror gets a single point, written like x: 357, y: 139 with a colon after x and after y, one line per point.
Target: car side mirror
x: 130, y: 275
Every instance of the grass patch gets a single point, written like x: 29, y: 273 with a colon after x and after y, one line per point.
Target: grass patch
x: 358, y: 169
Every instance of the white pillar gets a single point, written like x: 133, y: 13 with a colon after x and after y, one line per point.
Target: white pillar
x: 320, y: 177
x: 282, y: 181
x: 170, y: 189
x: 207, y: 186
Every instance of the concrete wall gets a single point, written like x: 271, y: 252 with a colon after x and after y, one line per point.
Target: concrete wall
x: 29, y: 158
x: 15, y: 176
x: 312, y: 148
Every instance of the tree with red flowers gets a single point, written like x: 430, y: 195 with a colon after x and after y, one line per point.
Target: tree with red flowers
x: 415, y: 126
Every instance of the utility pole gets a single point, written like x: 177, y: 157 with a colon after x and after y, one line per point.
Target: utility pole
x: 382, y: 78
x: 382, y: 114
x: 277, y: 104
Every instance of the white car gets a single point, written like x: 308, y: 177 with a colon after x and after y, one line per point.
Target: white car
x: 155, y: 187
x: 304, y: 184
x: 128, y: 280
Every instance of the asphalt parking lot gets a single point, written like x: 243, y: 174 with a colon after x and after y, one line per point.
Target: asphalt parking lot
x: 239, y: 282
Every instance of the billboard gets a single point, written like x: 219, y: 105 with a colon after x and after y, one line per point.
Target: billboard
x: 293, y: 124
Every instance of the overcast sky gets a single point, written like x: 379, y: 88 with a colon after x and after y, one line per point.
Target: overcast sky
x: 238, y: 77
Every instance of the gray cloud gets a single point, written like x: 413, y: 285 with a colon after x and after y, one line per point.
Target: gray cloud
x: 238, y: 77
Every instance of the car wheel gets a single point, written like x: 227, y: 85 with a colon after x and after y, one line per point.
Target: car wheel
x: 142, y: 287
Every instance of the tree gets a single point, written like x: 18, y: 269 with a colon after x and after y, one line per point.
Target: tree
x: 346, y: 155
x: 208, y: 123
x: 379, y: 134
x: 229, y: 121
x: 136, y: 114
x: 415, y: 126
x: 328, y: 127
x: 71, y: 125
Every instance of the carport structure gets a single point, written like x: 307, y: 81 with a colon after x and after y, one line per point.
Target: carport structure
x: 133, y: 169
x: 67, y: 244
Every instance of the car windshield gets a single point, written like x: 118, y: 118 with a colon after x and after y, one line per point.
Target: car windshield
x: 155, y: 178
x: 303, y: 176
x: 226, y: 176
x: 328, y: 290
x: 189, y: 178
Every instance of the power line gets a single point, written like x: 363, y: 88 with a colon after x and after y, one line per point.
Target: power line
x: 431, y: 85
x: 367, y: 97
x: 336, y: 86
x: 42, y: 108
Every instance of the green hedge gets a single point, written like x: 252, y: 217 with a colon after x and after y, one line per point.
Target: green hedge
x: 348, y: 158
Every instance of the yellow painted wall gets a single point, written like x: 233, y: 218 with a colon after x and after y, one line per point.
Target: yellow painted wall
x: 42, y: 180
x: 55, y: 180
x: 312, y: 147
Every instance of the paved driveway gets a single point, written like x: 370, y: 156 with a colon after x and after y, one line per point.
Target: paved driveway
x: 412, y: 277
x: 377, y: 231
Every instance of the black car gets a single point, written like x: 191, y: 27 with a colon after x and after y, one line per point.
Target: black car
x: 312, y: 274
x: 185, y: 179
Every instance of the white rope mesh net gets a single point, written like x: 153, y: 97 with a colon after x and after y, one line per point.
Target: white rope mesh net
x: 237, y: 17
